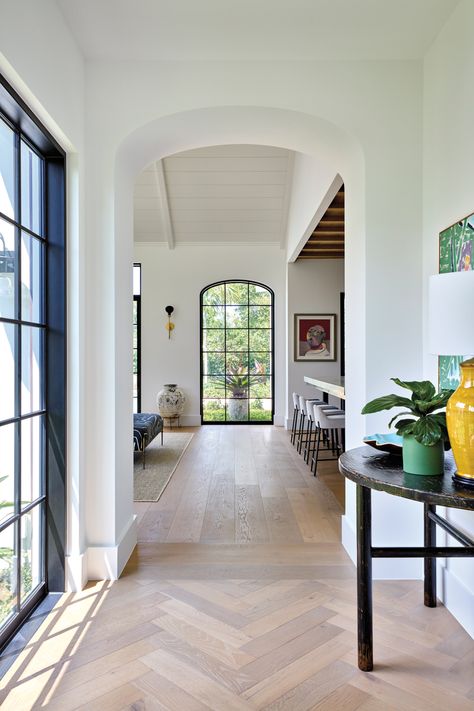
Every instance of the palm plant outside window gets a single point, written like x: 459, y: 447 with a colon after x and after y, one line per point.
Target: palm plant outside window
x: 237, y: 353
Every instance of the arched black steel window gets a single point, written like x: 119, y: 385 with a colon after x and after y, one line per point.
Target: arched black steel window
x: 237, y: 371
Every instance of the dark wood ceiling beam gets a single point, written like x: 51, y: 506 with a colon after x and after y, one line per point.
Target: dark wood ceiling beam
x: 326, y: 256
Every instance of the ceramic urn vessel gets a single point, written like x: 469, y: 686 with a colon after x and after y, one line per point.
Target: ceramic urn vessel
x: 170, y: 400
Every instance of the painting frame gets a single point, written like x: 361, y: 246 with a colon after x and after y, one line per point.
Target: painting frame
x: 456, y: 253
x: 321, y: 345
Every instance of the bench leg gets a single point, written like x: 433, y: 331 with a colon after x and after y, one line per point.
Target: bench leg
x: 161, y: 437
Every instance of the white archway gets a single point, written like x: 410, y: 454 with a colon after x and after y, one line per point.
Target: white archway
x: 335, y: 152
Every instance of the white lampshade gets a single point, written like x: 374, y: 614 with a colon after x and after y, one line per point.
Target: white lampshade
x: 451, y: 314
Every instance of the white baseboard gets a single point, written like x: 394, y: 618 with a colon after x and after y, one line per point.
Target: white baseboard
x: 76, y: 572
x: 279, y: 421
x: 107, y: 562
x: 189, y: 421
x: 456, y: 598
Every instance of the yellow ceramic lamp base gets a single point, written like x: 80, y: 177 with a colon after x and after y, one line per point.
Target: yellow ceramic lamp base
x: 460, y: 421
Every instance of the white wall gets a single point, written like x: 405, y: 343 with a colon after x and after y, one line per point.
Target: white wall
x: 314, y: 286
x: 177, y: 277
x: 448, y: 196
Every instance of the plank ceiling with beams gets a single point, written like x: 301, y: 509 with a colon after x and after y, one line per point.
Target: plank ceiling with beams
x: 217, y: 195
x: 327, y: 238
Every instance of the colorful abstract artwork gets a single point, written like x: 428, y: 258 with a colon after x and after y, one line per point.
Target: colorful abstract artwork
x: 315, y: 337
x: 456, y: 252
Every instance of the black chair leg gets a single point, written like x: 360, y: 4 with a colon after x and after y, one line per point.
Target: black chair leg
x: 294, y: 425
x: 308, y: 441
x: 300, y: 441
x: 316, y: 452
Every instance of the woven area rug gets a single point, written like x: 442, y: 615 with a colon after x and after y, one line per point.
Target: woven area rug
x: 161, y: 462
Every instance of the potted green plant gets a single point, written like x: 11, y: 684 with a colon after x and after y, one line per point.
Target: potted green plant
x: 237, y: 383
x: 424, y: 431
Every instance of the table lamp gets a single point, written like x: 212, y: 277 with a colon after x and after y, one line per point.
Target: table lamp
x: 451, y: 332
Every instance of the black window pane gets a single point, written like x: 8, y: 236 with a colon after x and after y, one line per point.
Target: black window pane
x: 260, y: 387
x: 259, y: 295
x: 237, y: 316
x: 214, y: 296
x: 8, y: 574
x: 260, y: 410
x: 31, y: 190
x: 237, y: 293
x: 260, y: 317
x: 237, y: 363
x: 31, y: 550
x: 237, y: 410
x: 214, y: 410
x: 31, y: 369
x: 8, y: 170
x: 260, y: 363
x: 8, y: 267
x: 237, y: 339
x: 7, y: 471
x: 213, y: 363
x: 213, y: 340
x: 213, y: 387
x: 260, y: 340
x: 213, y: 316
x: 31, y: 278
x: 8, y: 348
x: 32, y: 459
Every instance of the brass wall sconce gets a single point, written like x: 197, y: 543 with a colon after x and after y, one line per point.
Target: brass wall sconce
x: 170, y: 325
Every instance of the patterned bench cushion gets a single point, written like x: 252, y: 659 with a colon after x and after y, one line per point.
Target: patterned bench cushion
x: 146, y: 425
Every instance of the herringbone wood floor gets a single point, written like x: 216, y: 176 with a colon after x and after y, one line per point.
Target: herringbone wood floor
x: 240, y: 596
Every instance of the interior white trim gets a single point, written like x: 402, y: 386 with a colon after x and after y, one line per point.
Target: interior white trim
x: 107, y: 562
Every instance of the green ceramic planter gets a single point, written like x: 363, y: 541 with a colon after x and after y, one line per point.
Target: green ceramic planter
x: 422, y: 460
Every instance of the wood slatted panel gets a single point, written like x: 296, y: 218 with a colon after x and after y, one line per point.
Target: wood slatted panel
x: 327, y: 239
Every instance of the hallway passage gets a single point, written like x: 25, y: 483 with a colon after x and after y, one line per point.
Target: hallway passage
x: 240, y: 596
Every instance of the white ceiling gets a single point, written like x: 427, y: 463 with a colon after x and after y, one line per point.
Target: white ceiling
x: 216, y: 195
x: 255, y: 29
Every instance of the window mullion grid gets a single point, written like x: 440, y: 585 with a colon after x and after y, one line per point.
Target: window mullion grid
x: 17, y: 456
x: 225, y: 352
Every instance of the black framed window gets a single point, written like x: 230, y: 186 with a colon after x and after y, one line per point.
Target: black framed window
x: 237, y: 373
x: 32, y: 345
x: 137, y: 296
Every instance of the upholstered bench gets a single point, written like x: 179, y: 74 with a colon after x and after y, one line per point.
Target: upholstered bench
x: 146, y: 425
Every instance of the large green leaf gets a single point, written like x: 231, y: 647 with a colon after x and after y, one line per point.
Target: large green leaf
x: 421, y: 389
x: 427, y: 431
x: 405, y: 426
x: 399, y: 414
x: 386, y: 403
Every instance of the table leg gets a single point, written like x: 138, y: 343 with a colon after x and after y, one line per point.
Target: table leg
x: 430, y: 563
x: 364, y: 578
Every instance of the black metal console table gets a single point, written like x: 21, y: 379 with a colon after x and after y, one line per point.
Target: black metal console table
x: 370, y: 469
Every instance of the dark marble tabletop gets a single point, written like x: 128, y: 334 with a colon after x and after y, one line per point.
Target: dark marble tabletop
x: 381, y: 471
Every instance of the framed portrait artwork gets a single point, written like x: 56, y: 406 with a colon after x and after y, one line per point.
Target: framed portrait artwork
x: 315, y: 337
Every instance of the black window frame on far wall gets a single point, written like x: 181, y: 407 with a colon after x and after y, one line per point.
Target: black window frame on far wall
x: 272, y: 351
x: 137, y: 298
x: 51, y: 235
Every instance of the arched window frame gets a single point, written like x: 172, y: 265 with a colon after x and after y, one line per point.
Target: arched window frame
x: 272, y: 349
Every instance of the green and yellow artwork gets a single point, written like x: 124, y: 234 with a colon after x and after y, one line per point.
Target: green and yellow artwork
x: 456, y: 252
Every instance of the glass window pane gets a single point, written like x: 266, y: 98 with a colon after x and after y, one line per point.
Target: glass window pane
x: 7, y: 170
x: 31, y: 278
x: 213, y: 387
x: 237, y: 410
x: 260, y: 387
x: 260, y: 363
x: 7, y: 471
x: 214, y: 296
x: 237, y: 339
x: 260, y: 340
x: 31, y: 189
x: 7, y: 573
x: 137, y: 279
x: 213, y: 340
x: 213, y: 363
x: 32, y: 449
x: 237, y: 316
x: 213, y: 316
x: 259, y: 295
x: 31, y: 369
x: 8, y: 340
x: 237, y: 381
x: 8, y: 266
x: 135, y: 311
x: 237, y: 363
x: 260, y: 317
x: 31, y: 554
x: 213, y: 410
x: 237, y: 293
x: 261, y: 410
